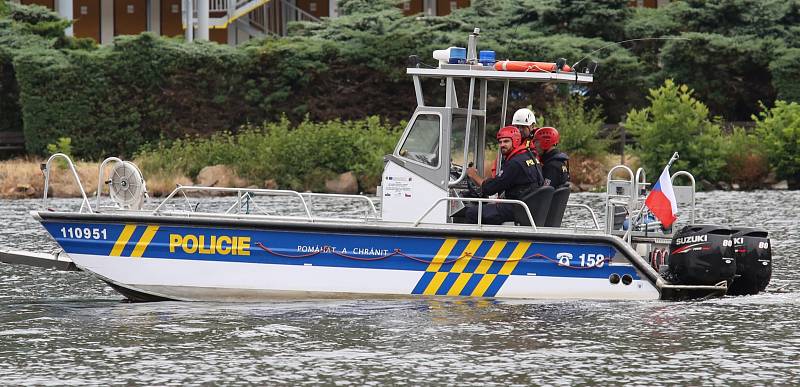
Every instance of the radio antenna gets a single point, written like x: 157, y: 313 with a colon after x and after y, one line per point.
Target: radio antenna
x: 620, y: 43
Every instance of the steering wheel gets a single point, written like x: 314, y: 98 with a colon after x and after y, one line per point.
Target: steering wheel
x: 473, y: 189
x: 455, y: 170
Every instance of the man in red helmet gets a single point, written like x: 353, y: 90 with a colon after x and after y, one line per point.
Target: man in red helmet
x: 555, y: 164
x: 519, y: 174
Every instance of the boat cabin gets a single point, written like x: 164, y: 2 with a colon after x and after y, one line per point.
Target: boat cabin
x: 425, y: 175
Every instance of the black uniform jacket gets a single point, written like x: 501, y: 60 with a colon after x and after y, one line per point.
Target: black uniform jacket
x: 555, y: 168
x: 518, y: 175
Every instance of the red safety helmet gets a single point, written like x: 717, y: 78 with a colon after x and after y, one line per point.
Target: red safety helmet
x: 547, y: 137
x: 510, y: 132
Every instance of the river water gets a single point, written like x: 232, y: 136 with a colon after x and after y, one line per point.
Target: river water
x: 61, y: 328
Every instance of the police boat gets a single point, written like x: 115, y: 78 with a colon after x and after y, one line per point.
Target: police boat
x: 414, y: 245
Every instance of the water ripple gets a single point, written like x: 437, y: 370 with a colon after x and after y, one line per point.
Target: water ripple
x: 68, y: 329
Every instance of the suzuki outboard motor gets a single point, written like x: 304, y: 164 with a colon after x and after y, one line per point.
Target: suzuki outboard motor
x: 701, y: 255
x: 753, y: 254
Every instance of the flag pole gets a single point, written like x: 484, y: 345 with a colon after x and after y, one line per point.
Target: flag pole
x: 635, y: 222
x: 672, y: 159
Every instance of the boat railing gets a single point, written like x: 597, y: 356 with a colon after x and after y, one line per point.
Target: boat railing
x: 619, y: 193
x: 46, y: 168
x: 245, y: 203
x: 684, y: 194
x: 480, y: 202
x: 591, y: 212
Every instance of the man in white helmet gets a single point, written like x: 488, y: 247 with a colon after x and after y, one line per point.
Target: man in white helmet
x: 525, y: 121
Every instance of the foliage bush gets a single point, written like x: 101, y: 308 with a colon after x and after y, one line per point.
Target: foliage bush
x: 745, y: 158
x: 113, y: 99
x: 730, y: 74
x: 779, y: 129
x: 785, y: 69
x: 17, y: 33
x: 300, y: 157
x: 677, y: 122
x: 579, y: 127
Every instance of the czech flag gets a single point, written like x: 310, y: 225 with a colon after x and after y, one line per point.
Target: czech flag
x: 661, y: 200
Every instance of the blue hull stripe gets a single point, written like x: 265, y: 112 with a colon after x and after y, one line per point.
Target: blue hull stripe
x: 413, y: 253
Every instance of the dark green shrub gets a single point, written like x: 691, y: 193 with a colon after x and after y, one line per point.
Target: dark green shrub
x: 299, y: 157
x: 579, y: 127
x: 746, y: 161
x: 677, y: 122
x: 113, y: 100
x: 37, y: 20
x: 730, y: 74
x: 22, y: 28
x: 779, y: 129
x: 786, y: 74
x: 590, y: 18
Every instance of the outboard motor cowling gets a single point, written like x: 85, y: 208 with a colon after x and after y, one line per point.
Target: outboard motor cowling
x: 753, y: 253
x: 701, y: 255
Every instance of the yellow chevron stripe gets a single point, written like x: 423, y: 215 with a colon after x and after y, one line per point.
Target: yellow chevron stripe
x: 508, y: 267
x: 483, y: 285
x: 144, y: 241
x: 123, y: 239
x: 459, y: 284
x: 441, y: 256
x: 465, y: 257
x: 494, y: 251
x: 513, y: 259
x: 433, y: 286
x: 458, y: 267
x: 482, y: 268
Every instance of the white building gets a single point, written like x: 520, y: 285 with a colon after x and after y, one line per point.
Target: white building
x: 223, y: 21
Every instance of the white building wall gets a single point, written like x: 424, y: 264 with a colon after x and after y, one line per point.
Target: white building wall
x: 155, y: 16
x: 333, y: 9
x: 106, y: 21
x: 64, y: 9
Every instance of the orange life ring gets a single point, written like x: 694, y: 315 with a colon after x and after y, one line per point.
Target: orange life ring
x: 538, y: 67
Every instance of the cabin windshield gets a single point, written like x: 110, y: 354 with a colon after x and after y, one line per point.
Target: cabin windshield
x: 422, y: 143
x: 457, y: 134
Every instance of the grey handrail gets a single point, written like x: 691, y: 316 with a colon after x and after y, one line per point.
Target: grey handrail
x: 100, y: 178
x: 85, y: 201
x: 238, y: 191
x: 371, y: 205
x: 480, y: 202
x: 694, y: 189
x: 591, y: 211
x: 244, y: 193
x: 609, y: 180
x: 639, y: 182
x: 471, y: 96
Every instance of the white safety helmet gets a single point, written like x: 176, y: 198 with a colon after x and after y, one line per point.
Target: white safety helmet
x: 524, y: 117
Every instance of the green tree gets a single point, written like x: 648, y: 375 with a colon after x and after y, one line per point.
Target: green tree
x: 730, y: 74
x: 779, y: 130
x: 677, y: 122
x: 590, y: 18
x: 745, y: 158
x: 785, y: 71
x: 579, y: 127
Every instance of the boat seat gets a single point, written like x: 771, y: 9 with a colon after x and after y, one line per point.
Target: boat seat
x: 538, y: 203
x: 557, y: 207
